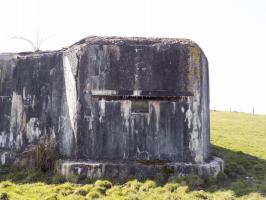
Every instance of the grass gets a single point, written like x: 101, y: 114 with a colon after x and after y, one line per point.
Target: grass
x: 239, y: 132
x: 237, y: 137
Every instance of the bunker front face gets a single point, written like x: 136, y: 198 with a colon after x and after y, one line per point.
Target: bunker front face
x: 113, y: 107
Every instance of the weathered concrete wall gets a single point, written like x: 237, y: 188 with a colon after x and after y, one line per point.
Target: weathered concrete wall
x: 31, y: 96
x: 108, y: 99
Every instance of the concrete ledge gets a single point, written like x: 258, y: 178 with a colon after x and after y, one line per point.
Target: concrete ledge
x: 147, y: 169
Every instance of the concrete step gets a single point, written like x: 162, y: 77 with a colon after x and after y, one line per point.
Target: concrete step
x: 144, y: 169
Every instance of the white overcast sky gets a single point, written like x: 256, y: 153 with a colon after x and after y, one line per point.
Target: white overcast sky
x: 232, y: 34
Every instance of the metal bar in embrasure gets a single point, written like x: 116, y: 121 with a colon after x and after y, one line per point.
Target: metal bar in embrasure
x: 114, y: 95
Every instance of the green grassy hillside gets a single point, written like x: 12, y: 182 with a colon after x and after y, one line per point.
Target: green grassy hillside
x: 237, y: 137
x: 239, y: 132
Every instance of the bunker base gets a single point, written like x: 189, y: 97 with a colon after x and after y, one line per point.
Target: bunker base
x: 138, y: 169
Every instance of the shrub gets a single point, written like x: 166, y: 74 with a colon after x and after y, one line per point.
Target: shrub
x: 64, y: 189
x: 73, y: 178
x: 3, y: 196
x: 51, y: 197
x: 114, y: 191
x: 200, y: 195
x: 210, y: 181
x: 263, y: 187
x: 18, y: 176
x: 87, y: 187
x: 148, y: 185
x: 171, y: 187
x: 240, y: 188
x: 58, y: 178
x: 160, y: 179
x: 259, y: 169
x: 221, y: 177
x: 132, y: 197
x: 6, y: 184
x: 134, y: 185
x: 93, y: 195
x: 103, y: 183
x: 33, y: 176
x: 193, y: 181
x: 46, y: 156
x: 241, y: 170
x: 81, y: 192
x: 160, y: 190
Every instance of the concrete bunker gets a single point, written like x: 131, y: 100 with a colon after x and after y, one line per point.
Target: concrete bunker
x: 114, y: 107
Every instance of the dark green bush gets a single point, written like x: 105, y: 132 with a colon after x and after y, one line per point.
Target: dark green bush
x: 262, y: 187
x: 210, y: 181
x: 192, y: 181
x: 221, y: 177
x: 3, y: 196
x: 58, y: 178
x: 240, y: 188
x: 259, y: 169
x: 72, y: 178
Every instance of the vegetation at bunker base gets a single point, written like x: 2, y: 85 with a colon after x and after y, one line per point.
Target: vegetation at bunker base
x: 237, y: 137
